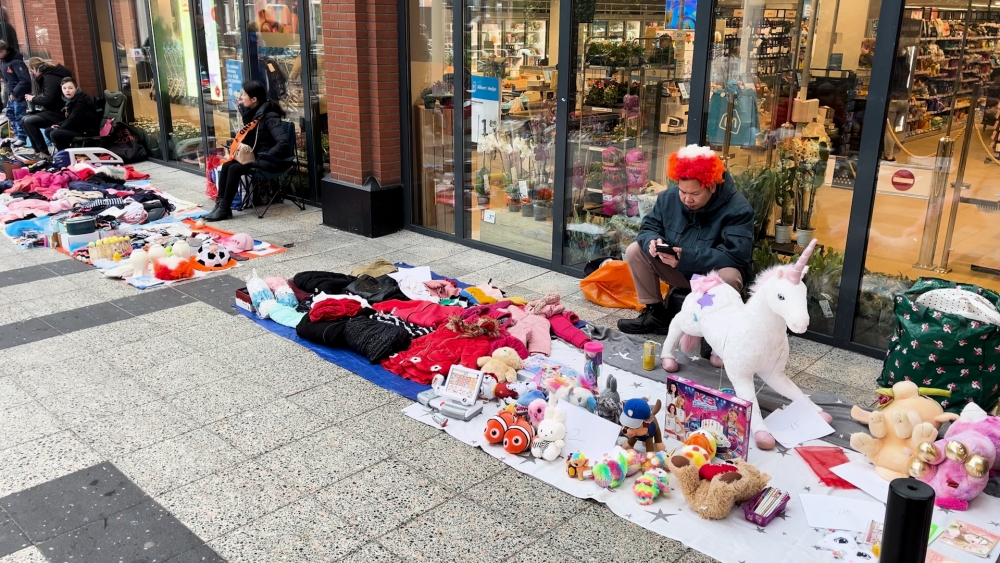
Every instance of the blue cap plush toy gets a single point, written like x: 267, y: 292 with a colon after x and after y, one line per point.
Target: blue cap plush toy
x: 638, y: 422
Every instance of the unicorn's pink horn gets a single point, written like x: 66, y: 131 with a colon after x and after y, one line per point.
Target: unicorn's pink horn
x: 800, y: 266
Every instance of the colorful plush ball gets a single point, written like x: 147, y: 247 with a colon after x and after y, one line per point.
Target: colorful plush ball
x: 610, y: 472
x: 696, y: 454
x: 655, y: 460
x: 576, y: 466
x: 518, y: 437
x: 497, y: 426
x: 651, y: 485
x: 633, y: 462
x: 703, y: 439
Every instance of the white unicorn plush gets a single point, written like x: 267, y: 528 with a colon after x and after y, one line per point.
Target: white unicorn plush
x: 748, y: 337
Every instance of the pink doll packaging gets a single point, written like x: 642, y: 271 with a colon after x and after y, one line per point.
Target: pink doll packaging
x: 689, y: 404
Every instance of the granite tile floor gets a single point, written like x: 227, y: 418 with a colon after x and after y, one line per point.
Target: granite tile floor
x: 261, y: 449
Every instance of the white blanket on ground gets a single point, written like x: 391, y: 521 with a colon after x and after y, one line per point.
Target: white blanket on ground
x: 787, y: 539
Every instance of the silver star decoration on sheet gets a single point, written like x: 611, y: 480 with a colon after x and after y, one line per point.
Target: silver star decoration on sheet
x: 782, y: 515
x: 817, y: 548
x: 781, y: 450
x: 995, y: 524
x: 637, y: 385
x: 474, y: 443
x: 628, y: 516
x: 528, y: 459
x: 946, y: 510
x: 659, y: 515
x: 839, y: 402
x: 808, y: 489
x: 841, y: 436
x: 760, y: 530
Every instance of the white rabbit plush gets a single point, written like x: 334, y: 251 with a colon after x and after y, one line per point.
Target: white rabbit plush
x: 549, y: 440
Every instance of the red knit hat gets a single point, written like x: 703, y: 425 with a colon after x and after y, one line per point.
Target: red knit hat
x: 696, y: 163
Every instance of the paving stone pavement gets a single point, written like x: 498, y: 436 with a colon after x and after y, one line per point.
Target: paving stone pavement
x: 259, y: 448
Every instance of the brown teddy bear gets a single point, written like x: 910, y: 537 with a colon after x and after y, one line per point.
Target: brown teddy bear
x: 713, y: 498
x: 504, y: 364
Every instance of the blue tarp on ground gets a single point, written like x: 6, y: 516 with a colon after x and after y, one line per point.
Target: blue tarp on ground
x: 348, y: 359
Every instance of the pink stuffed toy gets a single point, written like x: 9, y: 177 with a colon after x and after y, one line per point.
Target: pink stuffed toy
x: 958, y: 466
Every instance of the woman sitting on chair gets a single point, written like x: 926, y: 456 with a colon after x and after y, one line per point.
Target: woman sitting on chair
x: 80, y: 118
x: 262, y: 133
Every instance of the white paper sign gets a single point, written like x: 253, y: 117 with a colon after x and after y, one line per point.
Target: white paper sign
x: 798, y: 422
x: 840, y: 513
x: 588, y: 433
x: 862, y: 475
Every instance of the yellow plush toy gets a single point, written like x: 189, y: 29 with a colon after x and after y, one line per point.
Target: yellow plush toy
x: 504, y: 364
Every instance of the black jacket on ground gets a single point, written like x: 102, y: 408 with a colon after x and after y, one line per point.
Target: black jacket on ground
x: 267, y: 137
x: 49, y: 81
x: 719, y: 235
x: 15, y: 72
x: 79, y: 115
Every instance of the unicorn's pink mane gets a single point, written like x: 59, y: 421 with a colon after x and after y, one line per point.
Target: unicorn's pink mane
x: 766, y: 276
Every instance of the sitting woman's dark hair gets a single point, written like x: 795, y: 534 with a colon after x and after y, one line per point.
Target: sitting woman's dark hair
x: 257, y: 90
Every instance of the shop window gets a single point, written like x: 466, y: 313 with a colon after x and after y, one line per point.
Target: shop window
x: 922, y: 225
x: 432, y: 74
x: 511, y: 56
x: 221, y: 61
x: 177, y: 83
x: 629, y: 94
x: 787, y: 95
x: 137, y: 79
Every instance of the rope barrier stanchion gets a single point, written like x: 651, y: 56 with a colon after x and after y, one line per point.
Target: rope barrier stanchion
x: 989, y: 153
x: 888, y: 127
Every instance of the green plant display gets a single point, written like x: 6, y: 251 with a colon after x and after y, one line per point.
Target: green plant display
x: 758, y: 185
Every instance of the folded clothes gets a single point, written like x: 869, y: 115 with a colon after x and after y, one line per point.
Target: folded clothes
x: 326, y: 282
x: 334, y: 309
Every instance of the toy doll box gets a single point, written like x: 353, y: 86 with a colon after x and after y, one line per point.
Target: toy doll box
x: 695, y: 403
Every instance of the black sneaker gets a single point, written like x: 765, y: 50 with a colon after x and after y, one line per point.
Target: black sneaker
x: 652, y: 320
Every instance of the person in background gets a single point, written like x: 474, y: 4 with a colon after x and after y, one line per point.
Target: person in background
x: 48, y: 103
x: 702, y: 224
x: 79, y: 116
x: 9, y: 34
x: 15, y: 74
x: 266, y: 137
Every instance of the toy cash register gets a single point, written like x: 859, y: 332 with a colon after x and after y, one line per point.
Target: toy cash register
x: 455, y: 397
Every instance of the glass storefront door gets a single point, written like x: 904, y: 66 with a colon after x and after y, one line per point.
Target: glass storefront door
x: 431, y: 98
x: 221, y: 59
x: 786, y: 102
x: 629, y: 86
x: 510, y: 56
x: 177, y: 83
x: 922, y: 224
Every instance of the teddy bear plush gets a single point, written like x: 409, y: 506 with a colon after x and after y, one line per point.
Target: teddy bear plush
x: 892, y: 427
x: 713, y: 498
x: 504, y: 364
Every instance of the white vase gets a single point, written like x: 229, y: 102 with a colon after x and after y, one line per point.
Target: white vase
x: 804, y: 237
x: 181, y: 249
x: 782, y: 234
x: 140, y: 262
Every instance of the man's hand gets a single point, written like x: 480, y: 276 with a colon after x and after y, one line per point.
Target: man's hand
x: 53, y: 126
x: 652, y: 247
x: 29, y: 97
x: 10, y: 98
x: 669, y: 260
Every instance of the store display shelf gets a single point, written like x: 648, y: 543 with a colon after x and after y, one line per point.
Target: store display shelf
x: 916, y: 135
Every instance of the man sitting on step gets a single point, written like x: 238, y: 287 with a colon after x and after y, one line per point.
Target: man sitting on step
x: 702, y: 224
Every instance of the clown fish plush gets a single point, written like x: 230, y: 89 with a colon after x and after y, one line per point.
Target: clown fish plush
x: 518, y: 437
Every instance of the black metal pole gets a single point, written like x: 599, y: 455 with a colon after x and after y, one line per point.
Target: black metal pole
x: 907, y: 521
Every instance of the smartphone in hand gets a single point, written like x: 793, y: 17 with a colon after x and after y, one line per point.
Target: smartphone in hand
x: 666, y: 249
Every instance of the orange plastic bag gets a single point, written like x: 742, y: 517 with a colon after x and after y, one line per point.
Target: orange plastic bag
x: 611, y: 286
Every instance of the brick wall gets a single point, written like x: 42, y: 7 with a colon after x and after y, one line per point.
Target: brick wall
x: 59, y: 30
x: 362, y: 85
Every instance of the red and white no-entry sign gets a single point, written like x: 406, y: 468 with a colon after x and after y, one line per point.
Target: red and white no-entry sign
x: 903, y: 180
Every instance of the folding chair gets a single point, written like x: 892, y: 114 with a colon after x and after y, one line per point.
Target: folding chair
x: 287, y: 167
x: 114, y: 110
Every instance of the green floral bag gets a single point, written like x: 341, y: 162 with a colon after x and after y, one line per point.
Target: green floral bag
x: 943, y: 350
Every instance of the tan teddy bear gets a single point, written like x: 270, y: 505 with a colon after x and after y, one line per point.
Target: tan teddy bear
x: 892, y: 429
x: 713, y: 499
x: 504, y: 364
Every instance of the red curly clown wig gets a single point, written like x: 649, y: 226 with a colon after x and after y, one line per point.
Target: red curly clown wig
x: 696, y: 163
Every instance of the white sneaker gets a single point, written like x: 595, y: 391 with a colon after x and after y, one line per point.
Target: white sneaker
x: 20, y: 143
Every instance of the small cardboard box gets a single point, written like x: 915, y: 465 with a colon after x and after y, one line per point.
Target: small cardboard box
x: 72, y: 242
x: 243, y: 300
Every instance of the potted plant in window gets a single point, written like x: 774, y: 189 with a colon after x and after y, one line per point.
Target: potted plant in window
x: 811, y: 175
x: 427, y: 96
x: 543, y: 204
x: 513, y: 198
x: 587, y: 239
x: 758, y: 187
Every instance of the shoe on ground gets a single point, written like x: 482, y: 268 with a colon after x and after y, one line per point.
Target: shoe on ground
x: 20, y: 143
x: 220, y: 213
x: 652, y: 320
